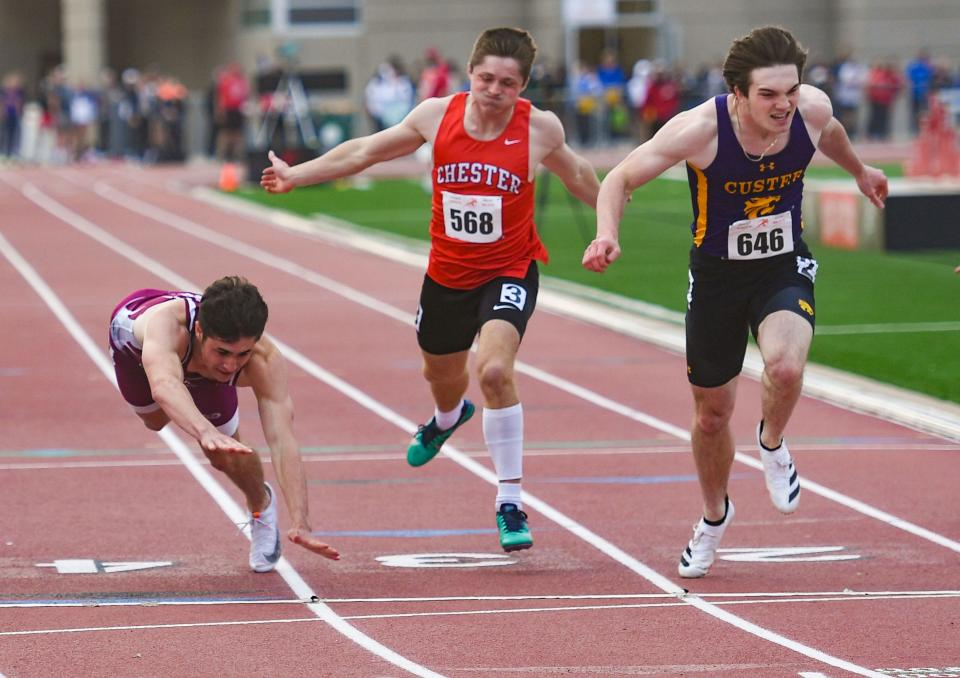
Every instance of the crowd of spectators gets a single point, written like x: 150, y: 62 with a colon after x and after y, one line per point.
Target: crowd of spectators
x: 141, y: 116
x: 602, y: 105
x: 137, y: 116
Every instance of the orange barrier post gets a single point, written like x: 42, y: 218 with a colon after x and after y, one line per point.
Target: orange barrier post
x: 229, y: 181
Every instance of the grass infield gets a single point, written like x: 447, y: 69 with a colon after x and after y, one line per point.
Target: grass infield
x: 894, y: 317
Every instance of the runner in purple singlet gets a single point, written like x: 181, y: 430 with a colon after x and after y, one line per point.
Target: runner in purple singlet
x: 745, y: 154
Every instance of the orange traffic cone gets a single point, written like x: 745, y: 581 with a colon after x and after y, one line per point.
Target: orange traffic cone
x: 228, y: 177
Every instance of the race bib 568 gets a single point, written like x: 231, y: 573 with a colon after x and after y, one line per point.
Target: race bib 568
x: 473, y: 218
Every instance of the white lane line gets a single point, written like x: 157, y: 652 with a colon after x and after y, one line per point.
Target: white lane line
x: 889, y: 328
x: 235, y: 513
x: 477, y: 469
x: 431, y: 613
x: 141, y: 627
x: 209, y: 235
x: 732, y: 598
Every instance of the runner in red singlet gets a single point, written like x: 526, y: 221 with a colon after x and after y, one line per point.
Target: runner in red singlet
x: 482, y: 277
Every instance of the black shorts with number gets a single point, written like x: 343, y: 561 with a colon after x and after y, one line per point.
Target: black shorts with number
x: 448, y: 319
x: 726, y: 297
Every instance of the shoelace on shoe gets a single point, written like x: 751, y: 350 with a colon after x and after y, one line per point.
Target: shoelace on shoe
x: 254, y: 518
x: 428, y: 432
x: 513, y: 520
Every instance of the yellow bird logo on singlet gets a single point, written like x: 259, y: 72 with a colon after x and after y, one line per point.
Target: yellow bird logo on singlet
x: 807, y: 308
x: 759, y: 207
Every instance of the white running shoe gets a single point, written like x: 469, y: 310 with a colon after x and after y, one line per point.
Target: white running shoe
x: 783, y: 482
x: 265, y: 536
x: 696, y: 559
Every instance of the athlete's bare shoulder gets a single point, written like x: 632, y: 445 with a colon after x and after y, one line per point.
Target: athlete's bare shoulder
x: 815, y: 107
x: 426, y: 116
x: 164, y: 326
x: 546, y: 132
x: 691, y: 135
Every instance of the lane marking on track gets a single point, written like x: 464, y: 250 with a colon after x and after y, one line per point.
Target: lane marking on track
x: 890, y: 328
x: 731, y: 598
x: 353, y: 457
x: 655, y: 578
x: 235, y: 513
x: 350, y: 294
x: 432, y: 613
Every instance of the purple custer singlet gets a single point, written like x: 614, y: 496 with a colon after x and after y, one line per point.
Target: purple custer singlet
x: 732, y: 185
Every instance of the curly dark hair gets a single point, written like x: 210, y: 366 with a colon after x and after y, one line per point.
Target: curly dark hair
x: 231, y: 309
x: 761, y: 47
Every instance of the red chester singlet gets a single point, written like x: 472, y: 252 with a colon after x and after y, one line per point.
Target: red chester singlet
x: 482, y: 221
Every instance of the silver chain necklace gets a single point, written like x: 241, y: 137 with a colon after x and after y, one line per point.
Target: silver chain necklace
x: 748, y: 156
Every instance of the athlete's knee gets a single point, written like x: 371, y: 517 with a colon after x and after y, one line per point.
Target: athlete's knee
x: 154, y: 420
x: 784, y: 372
x: 219, y: 460
x: 710, y: 421
x: 494, y: 377
x: 712, y: 416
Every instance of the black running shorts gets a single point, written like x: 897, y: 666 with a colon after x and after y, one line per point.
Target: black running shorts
x: 726, y: 297
x: 448, y: 319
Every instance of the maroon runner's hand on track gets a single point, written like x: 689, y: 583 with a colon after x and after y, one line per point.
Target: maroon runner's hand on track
x: 311, y: 543
x: 215, y: 441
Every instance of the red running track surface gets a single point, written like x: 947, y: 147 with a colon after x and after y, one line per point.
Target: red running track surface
x: 835, y: 589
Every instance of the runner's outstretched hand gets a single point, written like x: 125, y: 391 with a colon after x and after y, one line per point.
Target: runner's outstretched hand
x: 214, y: 441
x: 275, y: 178
x: 311, y: 543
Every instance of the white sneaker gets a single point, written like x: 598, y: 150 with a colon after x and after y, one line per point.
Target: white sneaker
x: 696, y: 559
x: 264, y: 536
x: 783, y: 482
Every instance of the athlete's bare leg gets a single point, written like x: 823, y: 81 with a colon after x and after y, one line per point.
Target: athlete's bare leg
x: 496, y: 354
x: 155, y: 420
x: 713, y: 447
x: 784, y: 339
x: 447, y: 376
x: 245, y: 471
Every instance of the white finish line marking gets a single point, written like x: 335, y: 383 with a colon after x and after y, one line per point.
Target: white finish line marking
x: 786, y: 554
x: 89, y: 566
x: 446, y: 560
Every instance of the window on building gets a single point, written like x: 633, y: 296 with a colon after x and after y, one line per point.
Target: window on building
x: 341, y: 13
x: 255, y: 13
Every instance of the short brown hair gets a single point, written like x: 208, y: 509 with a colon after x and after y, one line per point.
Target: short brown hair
x: 762, y: 47
x: 513, y: 43
x: 232, y: 309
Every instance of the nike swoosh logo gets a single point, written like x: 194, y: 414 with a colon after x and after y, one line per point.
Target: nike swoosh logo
x: 511, y: 142
x: 500, y: 306
x: 275, y: 556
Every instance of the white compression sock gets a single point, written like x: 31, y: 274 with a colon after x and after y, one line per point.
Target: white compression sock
x: 447, y: 419
x: 509, y: 493
x: 503, y: 434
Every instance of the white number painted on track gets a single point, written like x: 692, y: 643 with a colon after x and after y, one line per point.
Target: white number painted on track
x: 923, y: 672
x: 786, y: 554
x: 446, y: 560
x: 88, y: 566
